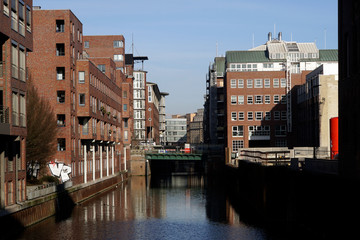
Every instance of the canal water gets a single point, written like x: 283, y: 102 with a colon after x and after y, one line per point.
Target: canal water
x: 173, y: 207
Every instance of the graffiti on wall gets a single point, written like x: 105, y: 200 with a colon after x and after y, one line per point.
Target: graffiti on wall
x: 60, y: 170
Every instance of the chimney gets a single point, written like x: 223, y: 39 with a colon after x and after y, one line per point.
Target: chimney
x: 269, y: 36
x: 280, y: 36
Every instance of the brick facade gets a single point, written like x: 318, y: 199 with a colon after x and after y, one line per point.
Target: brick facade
x: 16, y: 41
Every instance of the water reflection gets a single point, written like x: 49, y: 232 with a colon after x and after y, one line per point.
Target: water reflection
x: 173, y: 207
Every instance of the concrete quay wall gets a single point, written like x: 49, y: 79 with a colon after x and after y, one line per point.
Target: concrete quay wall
x: 59, y: 203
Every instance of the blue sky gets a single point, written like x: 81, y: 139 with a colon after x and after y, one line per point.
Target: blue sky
x: 180, y: 37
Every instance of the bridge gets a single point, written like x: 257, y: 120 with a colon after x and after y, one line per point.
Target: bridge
x: 174, y: 156
x: 175, y: 163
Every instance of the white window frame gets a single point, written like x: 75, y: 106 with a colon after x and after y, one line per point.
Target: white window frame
x: 237, y: 131
x: 240, y: 83
x: 283, y: 82
x: 258, y: 83
x: 258, y: 99
x: 237, y: 144
x: 249, y: 83
x: 250, y: 99
x: 276, y: 83
x: 267, y: 116
x: 267, y: 83
x: 241, y: 99
x: 276, y: 99
x: 241, y: 116
x: 258, y: 116
x: 233, y: 116
x: 250, y: 116
x: 233, y: 100
x: 267, y: 99
x: 232, y: 83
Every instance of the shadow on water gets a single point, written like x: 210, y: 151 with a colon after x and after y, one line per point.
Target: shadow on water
x: 288, y: 204
x: 10, y: 227
x: 64, y: 204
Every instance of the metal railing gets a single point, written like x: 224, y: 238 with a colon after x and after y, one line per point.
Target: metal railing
x: 1, y: 69
x: 4, y: 114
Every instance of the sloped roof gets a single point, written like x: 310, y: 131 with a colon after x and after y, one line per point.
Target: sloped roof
x: 220, y: 65
x: 246, y: 56
x: 261, y: 56
x: 329, y: 55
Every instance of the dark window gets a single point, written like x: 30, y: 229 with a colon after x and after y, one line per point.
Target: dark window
x: 60, y: 25
x: 101, y: 67
x: 82, y: 99
x: 60, y: 49
x: 61, y: 120
x: 60, y: 96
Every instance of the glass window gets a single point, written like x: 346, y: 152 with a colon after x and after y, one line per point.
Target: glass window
x: 86, y: 44
x: 60, y: 25
x: 237, y: 144
x: 238, y: 131
x: 240, y: 83
x: 249, y: 99
x: 233, y: 100
x: 61, y: 144
x: 258, y: 83
x: 276, y: 115
x: 258, y: 115
x: 250, y: 116
x: 267, y: 83
x: 233, y: 116
x: 283, y: 82
x: 240, y: 99
x: 241, y: 116
x: 101, y: 67
x: 233, y: 83
x: 258, y: 99
x: 249, y: 83
x: 118, y: 44
x: 267, y: 99
x: 81, y: 77
x: 118, y: 57
x: 61, y: 96
x: 81, y: 99
x: 267, y: 115
x: 275, y: 82
x: 276, y: 99
x: 60, y: 73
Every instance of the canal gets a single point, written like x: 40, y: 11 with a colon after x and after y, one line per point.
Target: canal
x: 172, y: 207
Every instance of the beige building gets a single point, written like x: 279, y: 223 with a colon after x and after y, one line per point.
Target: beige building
x: 195, y: 128
x: 318, y: 103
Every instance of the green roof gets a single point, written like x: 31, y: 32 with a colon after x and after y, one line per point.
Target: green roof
x: 220, y: 65
x: 329, y: 55
x: 261, y: 56
x: 246, y: 56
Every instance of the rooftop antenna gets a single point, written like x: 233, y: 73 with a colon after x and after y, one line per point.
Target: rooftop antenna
x: 132, y: 43
x: 253, y: 40
x: 274, y: 29
x: 216, y: 49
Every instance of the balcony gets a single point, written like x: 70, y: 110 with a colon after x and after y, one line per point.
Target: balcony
x: 1, y: 69
x: 4, y: 120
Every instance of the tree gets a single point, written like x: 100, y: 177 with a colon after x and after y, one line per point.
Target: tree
x: 41, y: 131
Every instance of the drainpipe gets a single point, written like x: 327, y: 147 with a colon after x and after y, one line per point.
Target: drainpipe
x: 93, y: 163
x: 124, y: 159
x: 101, y: 162
x: 85, y: 164
x: 112, y: 160
x: 107, y: 160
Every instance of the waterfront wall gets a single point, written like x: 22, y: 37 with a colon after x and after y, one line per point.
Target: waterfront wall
x: 59, y: 203
x: 303, y: 202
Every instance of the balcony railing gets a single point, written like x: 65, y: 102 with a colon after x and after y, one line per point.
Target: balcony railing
x: 4, y: 114
x: 1, y: 69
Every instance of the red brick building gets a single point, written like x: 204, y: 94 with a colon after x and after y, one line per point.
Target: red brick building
x: 84, y: 93
x: 260, y: 91
x: 16, y: 41
x: 113, y: 47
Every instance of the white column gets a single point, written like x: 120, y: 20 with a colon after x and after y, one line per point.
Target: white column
x: 85, y: 164
x: 107, y: 160
x: 93, y: 163
x: 101, y: 162
x: 112, y: 160
x: 124, y: 158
